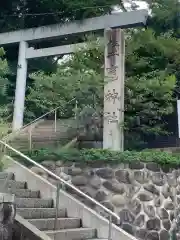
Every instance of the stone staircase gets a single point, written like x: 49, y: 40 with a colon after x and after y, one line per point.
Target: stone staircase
x: 41, y: 212
x: 43, y: 134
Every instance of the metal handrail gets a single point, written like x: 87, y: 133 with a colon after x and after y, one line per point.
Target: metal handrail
x: 34, y: 121
x: 63, y: 181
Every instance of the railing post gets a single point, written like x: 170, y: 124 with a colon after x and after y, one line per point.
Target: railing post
x: 5, y: 149
x: 30, y: 138
x: 55, y: 120
x: 110, y: 227
x: 57, y: 205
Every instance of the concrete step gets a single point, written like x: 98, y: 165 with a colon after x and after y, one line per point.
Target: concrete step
x: 14, y: 184
x: 4, y: 175
x: 72, y: 234
x: 33, y: 203
x: 62, y: 223
x: 25, y: 193
x: 36, y: 213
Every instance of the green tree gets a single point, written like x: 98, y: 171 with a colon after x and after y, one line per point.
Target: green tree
x: 18, y: 14
x: 4, y: 84
x: 149, y: 84
x: 77, y: 78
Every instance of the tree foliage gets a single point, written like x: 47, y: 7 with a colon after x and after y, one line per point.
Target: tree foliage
x: 17, y: 14
x: 4, y: 84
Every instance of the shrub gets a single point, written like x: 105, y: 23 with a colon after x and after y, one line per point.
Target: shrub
x: 106, y: 156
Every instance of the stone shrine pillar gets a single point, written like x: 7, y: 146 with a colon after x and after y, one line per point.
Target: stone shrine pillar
x: 7, y: 215
x: 113, y: 133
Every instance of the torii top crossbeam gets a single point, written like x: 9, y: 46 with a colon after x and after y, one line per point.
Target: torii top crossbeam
x: 117, y: 20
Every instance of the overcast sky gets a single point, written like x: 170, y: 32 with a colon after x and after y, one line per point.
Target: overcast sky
x: 142, y: 4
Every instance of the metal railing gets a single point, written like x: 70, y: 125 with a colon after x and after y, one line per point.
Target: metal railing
x: 65, y: 183
x: 30, y: 126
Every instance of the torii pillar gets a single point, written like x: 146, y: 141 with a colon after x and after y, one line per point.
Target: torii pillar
x: 20, y: 86
x: 113, y: 133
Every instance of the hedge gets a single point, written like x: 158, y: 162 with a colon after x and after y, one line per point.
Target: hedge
x: 106, y: 156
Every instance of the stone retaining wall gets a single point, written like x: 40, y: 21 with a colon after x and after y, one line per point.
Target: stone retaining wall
x: 142, y: 194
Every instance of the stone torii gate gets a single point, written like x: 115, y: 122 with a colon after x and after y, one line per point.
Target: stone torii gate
x: 114, y: 63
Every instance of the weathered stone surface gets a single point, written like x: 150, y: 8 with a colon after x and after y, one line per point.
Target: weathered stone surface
x: 164, y: 235
x: 88, y: 190
x: 153, y: 224
x: 58, y: 170
x: 141, y: 233
x: 140, y: 192
x: 123, y: 176
x: 80, y: 164
x: 149, y: 210
x: 64, y: 176
x: 177, y: 236
x: 153, y: 235
x: 171, y: 214
x: 95, y: 182
x: 141, y: 176
x: 166, y: 224
x: 158, y: 179
x: 49, y: 165
x: 126, y: 216
x: 118, y: 200
x: 162, y: 213
x: 145, y: 197
x: 73, y: 171
x: 68, y: 164
x: 100, y: 196
x: 178, y: 189
x: 152, y: 189
x: 139, y: 221
x: 172, y: 180
x: 166, y: 191
x: 114, y: 186
x: 108, y: 205
x: 89, y: 173
x: 166, y: 168
x: 136, y: 165
x: 128, y: 228
x: 135, y: 206
x: 152, y: 166
x: 79, y: 180
x: 105, y: 173
x: 59, y: 163
x: 168, y: 205
x: 178, y: 199
x: 176, y: 173
x: 131, y: 190
x: 158, y: 201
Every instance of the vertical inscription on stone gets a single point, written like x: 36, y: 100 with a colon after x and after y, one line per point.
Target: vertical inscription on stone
x: 113, y: 89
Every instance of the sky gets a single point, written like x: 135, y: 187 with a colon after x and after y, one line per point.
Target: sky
x: 142, y: 4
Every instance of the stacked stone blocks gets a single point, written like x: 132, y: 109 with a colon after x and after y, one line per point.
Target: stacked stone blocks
x: 144, y: 195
